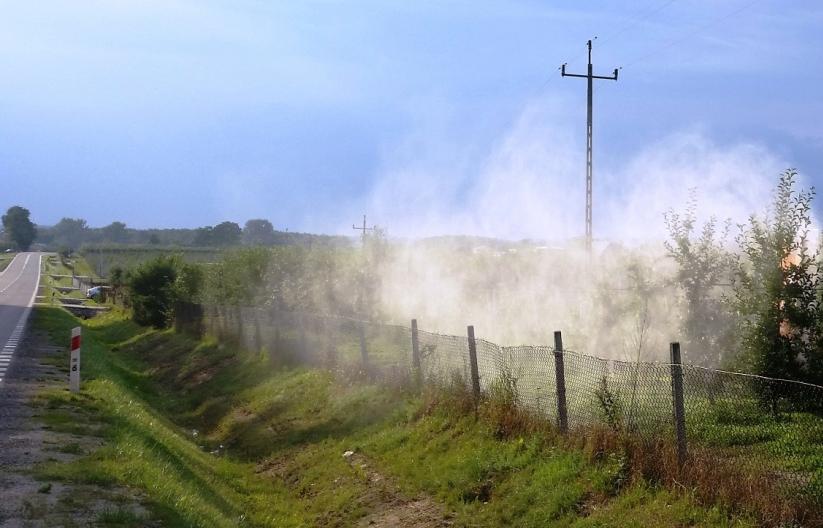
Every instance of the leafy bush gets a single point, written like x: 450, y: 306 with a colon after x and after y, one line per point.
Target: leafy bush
x: 609, y: 404
x: 152, y: 287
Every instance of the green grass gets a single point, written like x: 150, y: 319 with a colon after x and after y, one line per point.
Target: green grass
x: 5, y: 260
x: 50, y: 286
x: 218, y: 437
x: 184, y: 484
x: 120, y: 517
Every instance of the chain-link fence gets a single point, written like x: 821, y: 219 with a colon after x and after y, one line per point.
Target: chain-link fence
x: 754, y: 432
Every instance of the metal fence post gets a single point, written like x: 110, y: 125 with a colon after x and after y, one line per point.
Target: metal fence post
x: 560, y: 380
x: 364, y: 351
x: 473, y: 364
x: 418, y: 374
x: 679, y: 407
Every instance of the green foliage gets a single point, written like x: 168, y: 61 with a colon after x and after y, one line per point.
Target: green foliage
x: 258, y: 232
x: 115, y: 232
x: 776, y: 290
x: 153, y: 292
x: 69, y: 232
x: 502, y: 408
x: 223, y: 234
x: 181, y: 483
x: 703, y: 264
x: 116, y: 277
x: 156, y: 285
x: 239, y: 278
x: 105, y: 257
x: 189, y: 282
x: 319, y: 279
x: 18, y: 227
x: 609, y: 403
x: 294, y: 424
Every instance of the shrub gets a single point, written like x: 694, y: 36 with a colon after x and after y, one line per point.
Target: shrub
x: 152, y: 287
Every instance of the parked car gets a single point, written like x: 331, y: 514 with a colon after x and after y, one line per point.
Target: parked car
x: 98, y: 293
x: 91, y: 293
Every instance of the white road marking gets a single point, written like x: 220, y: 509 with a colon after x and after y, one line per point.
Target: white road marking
x: 23, y: 269
x: 14, y: 339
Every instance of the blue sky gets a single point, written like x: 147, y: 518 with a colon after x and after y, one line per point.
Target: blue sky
x: 433, y: 117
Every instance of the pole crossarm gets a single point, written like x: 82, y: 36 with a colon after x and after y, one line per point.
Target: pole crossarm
x: 363, y: 229
x: 612, y: 77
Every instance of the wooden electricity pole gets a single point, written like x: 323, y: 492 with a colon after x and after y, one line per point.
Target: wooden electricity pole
x: 590, y: 77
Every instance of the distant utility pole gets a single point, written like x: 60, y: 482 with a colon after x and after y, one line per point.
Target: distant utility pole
x: 590, y: 77
x: 364, y: 229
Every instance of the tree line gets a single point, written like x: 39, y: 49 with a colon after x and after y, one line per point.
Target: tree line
x: 71, y: 234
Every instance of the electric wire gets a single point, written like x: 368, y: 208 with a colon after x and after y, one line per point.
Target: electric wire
x: 688, y: 35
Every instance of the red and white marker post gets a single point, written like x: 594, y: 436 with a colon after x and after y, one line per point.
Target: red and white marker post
x: 74, y: 360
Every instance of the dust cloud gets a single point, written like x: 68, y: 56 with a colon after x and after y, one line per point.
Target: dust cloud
x: 530, y: 276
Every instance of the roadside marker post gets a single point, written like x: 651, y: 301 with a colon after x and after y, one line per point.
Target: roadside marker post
x: 74, y: 360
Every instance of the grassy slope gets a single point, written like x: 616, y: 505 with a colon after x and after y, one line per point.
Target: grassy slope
x: 216, y: 438
x: 53, y: 265
x: 5, y: 260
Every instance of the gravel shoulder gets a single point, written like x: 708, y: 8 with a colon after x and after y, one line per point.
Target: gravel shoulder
x: 26, y: 440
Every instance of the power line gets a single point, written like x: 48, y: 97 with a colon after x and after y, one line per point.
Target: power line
x: 686, y: 36
x: 642, y: 17
x: 665, y: 45
x: 637, y: 20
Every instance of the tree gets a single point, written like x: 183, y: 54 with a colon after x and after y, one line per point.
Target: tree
x: 153, y: 292
x: 776, y: 286
x: 226, y: 234
x: 258, y: 232
x: 239, y: 279
x: 203, y: 236
x: 703, y: 264
x: 18, y: 227
x: 116, y: 281
x: 70, y: 232
x: 189, y: 283
x: 115, y: 232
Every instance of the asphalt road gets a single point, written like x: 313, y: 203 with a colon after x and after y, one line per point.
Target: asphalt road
x: 18, y: 286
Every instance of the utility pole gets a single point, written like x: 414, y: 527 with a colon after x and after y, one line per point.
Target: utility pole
x: 590, y: 77
x: 361, y: 302
x: 364, y: 229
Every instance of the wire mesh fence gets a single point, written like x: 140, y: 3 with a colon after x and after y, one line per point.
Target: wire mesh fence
x: 762, y: 432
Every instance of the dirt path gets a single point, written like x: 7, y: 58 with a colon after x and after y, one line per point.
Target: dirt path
x: 389, y: 507
x: 26, y: 441
x: 392, y: 508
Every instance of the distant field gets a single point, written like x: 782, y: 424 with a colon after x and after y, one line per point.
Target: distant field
x: 102, y: 258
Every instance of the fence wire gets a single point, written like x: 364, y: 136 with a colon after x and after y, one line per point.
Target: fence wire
x: 772, y: 427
